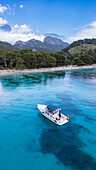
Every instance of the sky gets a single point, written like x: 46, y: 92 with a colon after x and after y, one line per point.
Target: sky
x: 69, y: 20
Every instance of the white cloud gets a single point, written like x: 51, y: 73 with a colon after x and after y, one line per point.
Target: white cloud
x: 3, y: 8
x: 22, y: 28
x: 3, y: 21
x: 37, y: 31
x: 18, y: 32
x: 88, y: 31
x: 14, y: 5
x: 21, y: 6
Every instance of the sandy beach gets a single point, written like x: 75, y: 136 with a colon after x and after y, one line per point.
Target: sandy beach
x: 71, y: 67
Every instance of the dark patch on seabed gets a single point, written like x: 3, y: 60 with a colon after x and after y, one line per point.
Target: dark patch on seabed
x: 64, y: 141
x: 88, y: 102
x: 32, y: 147
x: 65, y: 144
x: 68, y: 105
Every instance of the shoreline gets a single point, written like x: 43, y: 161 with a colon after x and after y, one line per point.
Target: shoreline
x: 38, y: 70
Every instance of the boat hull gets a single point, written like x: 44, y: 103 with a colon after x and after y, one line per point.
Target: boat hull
x: 54, y: 121
x: 63, y: 120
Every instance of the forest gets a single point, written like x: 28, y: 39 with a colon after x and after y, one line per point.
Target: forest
x: 26, y: 58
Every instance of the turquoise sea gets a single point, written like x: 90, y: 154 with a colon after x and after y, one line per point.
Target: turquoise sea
x: 28, y: 141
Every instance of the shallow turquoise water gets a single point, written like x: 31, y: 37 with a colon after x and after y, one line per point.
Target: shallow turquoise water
x: 28, y: 141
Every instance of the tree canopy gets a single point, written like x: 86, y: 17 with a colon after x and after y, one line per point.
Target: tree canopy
x: 26, y: 58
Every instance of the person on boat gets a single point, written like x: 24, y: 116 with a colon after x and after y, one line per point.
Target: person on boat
x: 59, y: 114
x: 49, y: 110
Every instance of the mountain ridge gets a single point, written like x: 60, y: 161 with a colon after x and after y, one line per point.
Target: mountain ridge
x: 50, y: 44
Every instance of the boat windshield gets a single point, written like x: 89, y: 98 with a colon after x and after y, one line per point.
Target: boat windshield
x: 56, y: 111
x: 48, y: 111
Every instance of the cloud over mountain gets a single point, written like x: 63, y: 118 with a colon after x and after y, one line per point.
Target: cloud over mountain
x: 17, y: 32
x: 55, y: 35
x: 87, y: 31
x: 12, y: 33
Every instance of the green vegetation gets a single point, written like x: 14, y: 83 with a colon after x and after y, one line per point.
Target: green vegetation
x: 26, y: 58
x: 6, y: 46
x: 81, y: 52
x: 82, y: 49
x: 79, y: 43
x: 80, y: 59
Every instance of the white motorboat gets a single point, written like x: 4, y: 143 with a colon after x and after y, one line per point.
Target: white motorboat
x: 55, y: 116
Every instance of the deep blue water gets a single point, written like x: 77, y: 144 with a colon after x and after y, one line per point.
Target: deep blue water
x: 28, y: 141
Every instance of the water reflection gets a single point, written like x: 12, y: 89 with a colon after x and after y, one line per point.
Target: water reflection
x: 84, y: 74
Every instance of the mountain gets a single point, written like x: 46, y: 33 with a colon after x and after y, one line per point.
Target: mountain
x: 54, y: 41
x: 50, y: 44
x: 6, y: 46
x: 28, y: 44
x: 81, y: 46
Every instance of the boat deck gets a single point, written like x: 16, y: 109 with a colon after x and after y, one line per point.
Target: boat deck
x: 54, y: 116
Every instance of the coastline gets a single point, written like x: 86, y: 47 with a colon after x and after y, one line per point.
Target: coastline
x: 37, y: 70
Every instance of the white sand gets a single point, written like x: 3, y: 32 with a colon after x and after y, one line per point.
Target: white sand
x: 71, y: 67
